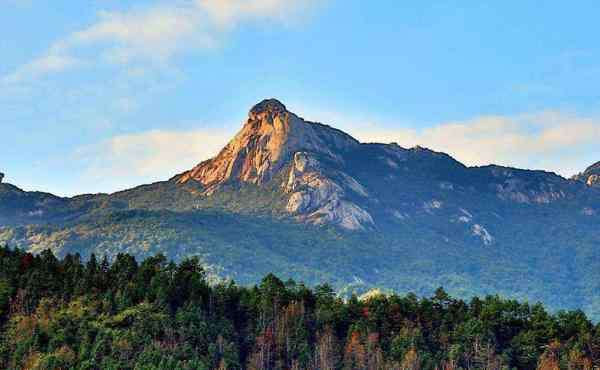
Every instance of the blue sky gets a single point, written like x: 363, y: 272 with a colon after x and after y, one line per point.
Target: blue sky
x: 101, y: 95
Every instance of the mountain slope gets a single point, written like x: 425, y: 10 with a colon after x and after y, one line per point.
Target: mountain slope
x: 308, y: 201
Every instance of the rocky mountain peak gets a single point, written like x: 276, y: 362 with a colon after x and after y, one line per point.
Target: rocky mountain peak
x: 274, y: 140
x: 267, y: 107
x: 266, y: 143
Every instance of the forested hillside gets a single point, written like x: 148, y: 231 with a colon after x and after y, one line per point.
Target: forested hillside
x: 155, y: 314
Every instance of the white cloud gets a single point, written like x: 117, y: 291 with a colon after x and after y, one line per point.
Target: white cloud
x: 40, y: 67
x: 229, y: 13
x: 158, y: 33
x: 133, y: 159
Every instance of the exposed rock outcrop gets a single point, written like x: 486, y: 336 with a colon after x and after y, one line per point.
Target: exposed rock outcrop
x: 267, y: 141
x: 273, y: 138
x: 316, y: 198
x: 482, y: 233
x: 1, y: 177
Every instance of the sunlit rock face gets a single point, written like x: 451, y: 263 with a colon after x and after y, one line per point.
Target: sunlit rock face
x: 267, y: 141
x: 272, y: 139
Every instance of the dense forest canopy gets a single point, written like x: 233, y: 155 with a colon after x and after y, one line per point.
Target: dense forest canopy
x: 155, y: 314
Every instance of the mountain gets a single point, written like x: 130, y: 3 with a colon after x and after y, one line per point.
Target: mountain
x: 274, y: 141
x: 591, y: 176
x: 308, y: 201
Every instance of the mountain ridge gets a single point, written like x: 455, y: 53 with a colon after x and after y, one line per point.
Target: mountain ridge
x: 325, y: 207
x: 317, y: 181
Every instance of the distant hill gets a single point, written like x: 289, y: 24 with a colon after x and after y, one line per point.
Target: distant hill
x: 308, y: 201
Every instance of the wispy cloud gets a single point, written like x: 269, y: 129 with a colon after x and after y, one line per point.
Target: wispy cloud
x: 230, y: 13
x: 157, y: 33
x: 50, y: 63
x: 133, y: 159
x: 154, y: 34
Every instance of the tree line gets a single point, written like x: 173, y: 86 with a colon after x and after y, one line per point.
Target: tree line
x: 155, y: 314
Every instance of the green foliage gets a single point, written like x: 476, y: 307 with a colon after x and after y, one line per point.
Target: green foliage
x: 154, y: 314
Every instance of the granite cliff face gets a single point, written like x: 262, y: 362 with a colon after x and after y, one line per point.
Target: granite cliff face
x: 268, y: 140
x: 274, y: 139
x: 317, y: 198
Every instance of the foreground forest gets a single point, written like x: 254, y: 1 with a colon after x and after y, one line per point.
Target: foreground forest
x: 69, y: 314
